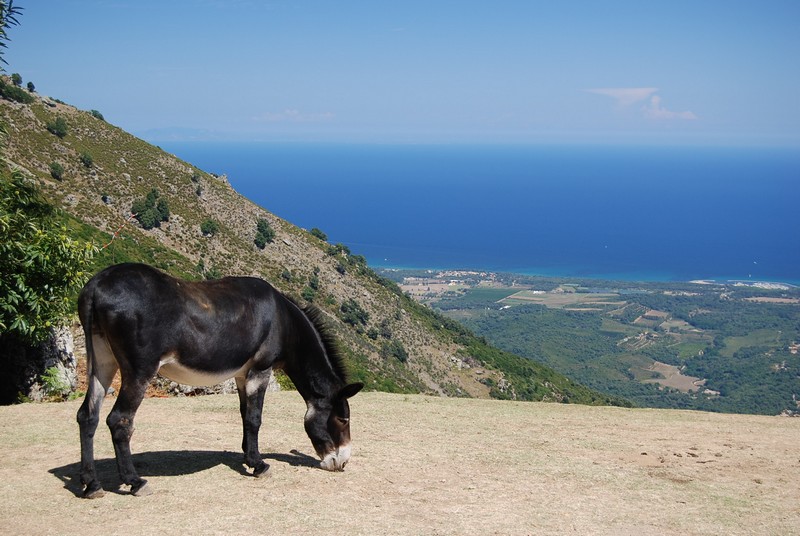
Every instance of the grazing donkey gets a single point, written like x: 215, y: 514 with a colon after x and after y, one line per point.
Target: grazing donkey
x: 141, y: 321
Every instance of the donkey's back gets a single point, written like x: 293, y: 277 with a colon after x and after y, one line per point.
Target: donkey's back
x: 150, y: 319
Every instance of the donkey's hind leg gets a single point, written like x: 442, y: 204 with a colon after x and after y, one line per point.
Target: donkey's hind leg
x: 101, y: 367
x: 120, y: 422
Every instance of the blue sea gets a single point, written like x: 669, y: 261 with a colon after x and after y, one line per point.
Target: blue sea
x: 631, y: 213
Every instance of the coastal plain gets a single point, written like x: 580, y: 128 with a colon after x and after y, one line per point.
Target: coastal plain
x: 728, y: 346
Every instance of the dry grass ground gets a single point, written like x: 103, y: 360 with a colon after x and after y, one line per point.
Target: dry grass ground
x: 421, y: 465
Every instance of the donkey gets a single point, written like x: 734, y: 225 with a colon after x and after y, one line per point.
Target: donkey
x: 141, y: 321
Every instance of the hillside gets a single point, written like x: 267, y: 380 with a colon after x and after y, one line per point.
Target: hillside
x: 421, y: 465
x: 391, y: 343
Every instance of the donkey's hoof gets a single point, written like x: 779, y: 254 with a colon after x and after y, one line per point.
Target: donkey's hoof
x: 141, y: 489
x: 93, y: 491
x: 261, y: 470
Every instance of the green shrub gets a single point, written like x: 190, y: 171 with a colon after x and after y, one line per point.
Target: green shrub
x: 336, y: 249
x: 86, y: 159
x: 97, y: 115
x: 309, y: 294
x: 151, y: 210
x: 14, y: 93
x: 162, y: 207
x: 148, y: 218
x: 209, y: 227
x: 319, y: 234
x: 57, y: 171
x: 58, y: 127
x: 54, y: 384
x: 264, y: 233
x: 352, y: 313
x: 394, y: 348
x: 313, y: 282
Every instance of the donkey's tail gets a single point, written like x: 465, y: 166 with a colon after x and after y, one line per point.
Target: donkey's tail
x: 86, y: 315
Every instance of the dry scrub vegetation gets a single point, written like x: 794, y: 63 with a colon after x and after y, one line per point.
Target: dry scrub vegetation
x: 421, y: 465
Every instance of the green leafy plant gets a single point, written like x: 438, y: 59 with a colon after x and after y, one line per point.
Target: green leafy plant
x: 209, y: 227
x: 264, y: 233
x: 151, y: 210
x: 395, y: 349
x: 8, y: 18
x: 41, y: 266
x: 86, y: 159
x: 319, y: 234
x: 57, y: 171
x: 308, y: 294
x: 352, y: 313
x: 58, y: 127
x: 54, y: 384
x: 14, y: 93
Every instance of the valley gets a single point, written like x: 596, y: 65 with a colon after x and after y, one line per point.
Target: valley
x: 719, y: 346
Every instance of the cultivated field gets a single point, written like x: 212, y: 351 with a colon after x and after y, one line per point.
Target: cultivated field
x: 421, y: 465
x: 565, y: 300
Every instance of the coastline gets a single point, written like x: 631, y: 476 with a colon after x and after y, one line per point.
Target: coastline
x: 766, y: 284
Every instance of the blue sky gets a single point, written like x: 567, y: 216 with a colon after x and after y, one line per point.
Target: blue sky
x: 677, y: 72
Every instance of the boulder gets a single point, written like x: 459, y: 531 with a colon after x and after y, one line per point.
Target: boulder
x: 36, y: 373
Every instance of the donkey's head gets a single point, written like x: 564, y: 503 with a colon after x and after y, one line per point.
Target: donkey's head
x: 327, y: 423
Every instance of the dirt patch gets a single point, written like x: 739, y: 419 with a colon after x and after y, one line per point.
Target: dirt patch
x: 765, y: 299
x: 672, y: 377
x: 421, y: 465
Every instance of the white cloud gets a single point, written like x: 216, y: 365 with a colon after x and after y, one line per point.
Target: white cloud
x: 293, y: 116
x: 654, y: 110
x: 626, y: 96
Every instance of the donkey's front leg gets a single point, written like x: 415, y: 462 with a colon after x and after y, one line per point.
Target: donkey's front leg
x: 251, y: 404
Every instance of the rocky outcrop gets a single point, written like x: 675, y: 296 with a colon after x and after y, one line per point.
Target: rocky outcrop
x: 37, y: 373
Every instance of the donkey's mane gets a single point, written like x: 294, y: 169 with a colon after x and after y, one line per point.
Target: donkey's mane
x: 316, y: 316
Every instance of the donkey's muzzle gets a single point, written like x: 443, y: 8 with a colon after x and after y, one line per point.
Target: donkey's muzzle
x: 335, y: 461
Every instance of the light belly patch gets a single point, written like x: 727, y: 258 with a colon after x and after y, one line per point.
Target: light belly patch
x: 170, y: 368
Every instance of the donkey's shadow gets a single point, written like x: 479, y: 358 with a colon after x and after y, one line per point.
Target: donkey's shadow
x: 171, y: 463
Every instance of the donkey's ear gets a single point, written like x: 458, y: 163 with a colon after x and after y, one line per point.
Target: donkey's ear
x: 350, y: 390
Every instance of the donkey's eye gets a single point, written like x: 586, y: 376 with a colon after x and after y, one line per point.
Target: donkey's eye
x: 342, y: 420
